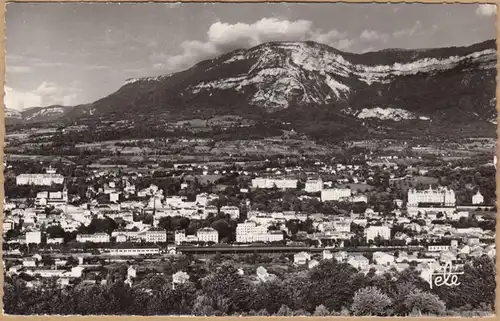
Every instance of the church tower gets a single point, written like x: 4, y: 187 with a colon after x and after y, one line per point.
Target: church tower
x: 65, y: 193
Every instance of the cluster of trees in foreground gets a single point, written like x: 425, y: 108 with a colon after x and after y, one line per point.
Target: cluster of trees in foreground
x: 331, y: 288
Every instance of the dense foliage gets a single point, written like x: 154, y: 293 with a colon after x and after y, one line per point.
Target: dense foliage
x: 331, y: 288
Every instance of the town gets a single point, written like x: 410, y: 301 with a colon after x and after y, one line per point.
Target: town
x: 69, y: 228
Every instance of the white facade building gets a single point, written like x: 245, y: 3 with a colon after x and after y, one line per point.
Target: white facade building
x: 359, y: 262
x: 207, y: 234
x: 382, y: 231
x: 249, y: 232
x: 440, y: 196
x: 342, y: 226
x: 335, y: 194
x: 133, y: 251
x: 93, y: 238
x: 477, y: 199
x: 313, y: 185
x: 233, y: 211
x: 156, y: 235
x: 50, y: 177
x: 438, y: 248
x: 281, y: 183
x: 33, y: 237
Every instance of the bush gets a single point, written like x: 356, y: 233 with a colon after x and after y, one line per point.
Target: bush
x: 321, y: 311
x: 370, y: 301
x: 285, y: 311
x: 424, y: 302
x: 262, y: 313
x: 203, y: 306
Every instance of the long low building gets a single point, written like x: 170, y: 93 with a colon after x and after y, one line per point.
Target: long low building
x: 268, y: 183
x: 132, y: 251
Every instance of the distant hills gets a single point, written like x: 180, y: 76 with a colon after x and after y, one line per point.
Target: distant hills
x: 36, y: 114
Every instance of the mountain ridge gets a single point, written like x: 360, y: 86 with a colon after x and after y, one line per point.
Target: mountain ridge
x: 291, y: 79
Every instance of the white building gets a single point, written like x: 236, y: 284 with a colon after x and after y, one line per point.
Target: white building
x: 281, y: 183
x: 8, y: 225
x: 438, y: 248
x: 359, y: 262
x: 114, y: 197
x: 335, y: 194
x: 56, y: 240
x: 52, y: 198
x: 313, y: 185
x: 382, y: 258
x: 359, y: 199
x: 383, y: 232
x: 342, y: 226
x: 440, y: 196
x: 131, y: 272
x: 327, y: 255
x: 33, y: 237
x: 133, y: 251
x: 477, y: 199
x: 181, y: 237
x: 208, y: 234
x: 301, y: 258
x: 93, y: 238
x: 233, y: 211
x: 50, y: 177
x: 250, y: 231
x: 156, y: 235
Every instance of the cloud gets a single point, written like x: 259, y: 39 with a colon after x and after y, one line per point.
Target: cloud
x: 240, y: 35
x: 224, y: 37
x: 486, y: 10
x: 409, y: 31
x: 332, y: 38
x: 46, y: 94
x: 372, y: 35
x: 20, y: 100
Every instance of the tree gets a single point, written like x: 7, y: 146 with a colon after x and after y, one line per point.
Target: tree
x: 55, y: 231
x: 48, y: 260
x: 332, y: 284
x: 424, y: 302
x: 321, y: 311
x: 285, y: 311
x: 226, y: 286
x: 203, y: 306
x: 477, y: 285
x: 370, y: 301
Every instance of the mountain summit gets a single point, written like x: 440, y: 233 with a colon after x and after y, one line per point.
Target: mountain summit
x: 277, y: 76
x: 303, y: 80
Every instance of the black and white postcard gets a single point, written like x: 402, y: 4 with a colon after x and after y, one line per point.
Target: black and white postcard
x: 250, y: 159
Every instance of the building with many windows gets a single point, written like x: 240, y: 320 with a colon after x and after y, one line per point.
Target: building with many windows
x: 441, y: 199
x: 156, y: 235
x: 313, y: 185
x: 207, y: 234
x: 383, y: 232
x: 440, y: 196
x: 93, y: 238
x: 47, y: 179
x: 281, y: 183
x: 250, y: 232
x: 233, y: 211
x: 335, y: 194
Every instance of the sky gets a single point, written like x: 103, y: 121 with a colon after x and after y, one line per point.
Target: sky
x: 76, y: 53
